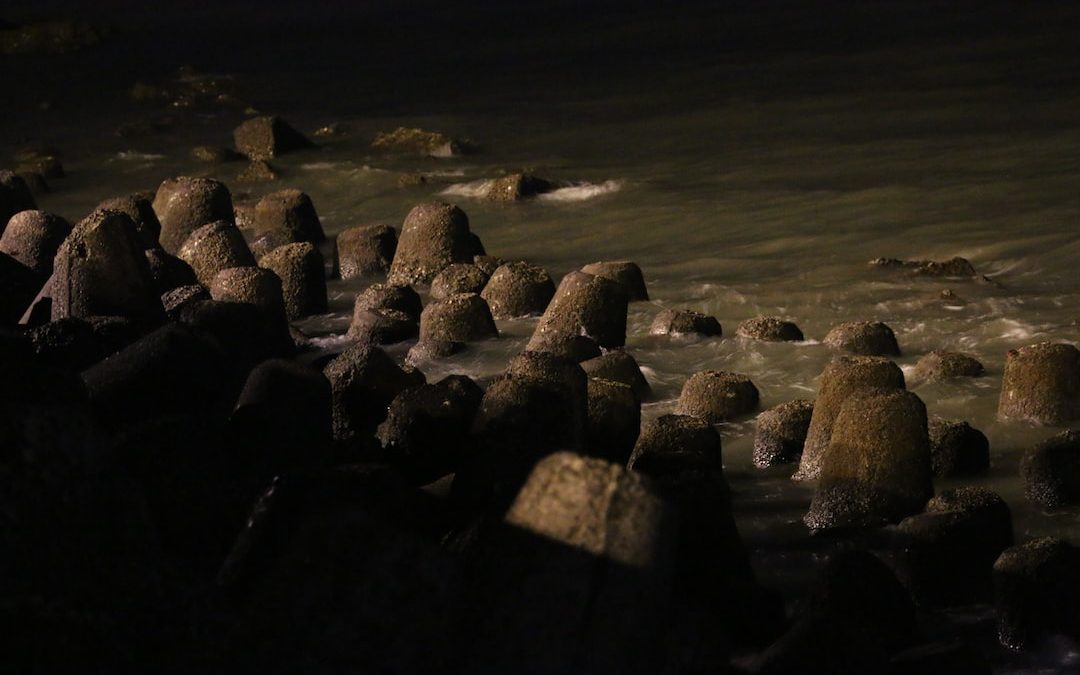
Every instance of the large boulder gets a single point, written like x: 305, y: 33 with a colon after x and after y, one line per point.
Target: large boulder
x: 584, y: 305
x: 251, y: 285
x: 262, y: 138
x: 463, y: 317
x: 390, y: 296
x: 169, y: 271
x: 518, y: 186
x: 942, y: 365
x: 676, y: 443
x: 248, y: 334
x: 291, y: 213
x: 1037, y: 593
x: 718, y: 396
x: 33, y: 238
x: 215, y: 247
x: 769, y: 329
x: 185, y: 204
x: 626, y: 273
x: 458, y: 278
x: 303, y: 278
x: 382, y: 326
x: 841, y: 378
x: 364, y: 381
x: 867, y: 338
x: 876, y: 468
x: 953, y: 267
x: 74, y: 344
x: 957, y: 449
x: 365, y: 250
x: 619, y: 366
x: 679, y: 322
x: 1051, y: 471
x: 140, y: 208
x: 18, y: 287
x: 781, y: 433
x: 614, y: 420
x: 1041, y: 384
x: 100, y: 270
x: 518, y: 289
x: 15, y: 196
x: 175, y: 300
x: 432, y: 237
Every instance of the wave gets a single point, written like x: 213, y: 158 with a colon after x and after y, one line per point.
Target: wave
x: 133, y: 156
x: 577, y: 192
x: 476, y: 189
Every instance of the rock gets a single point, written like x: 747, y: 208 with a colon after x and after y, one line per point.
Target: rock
x: 619, y: 366
x: 100, y: 270
x: 518, y: 289
x: 364, y: 381
x: 614, y: 420
x: 1036, y: 593
x: 263, y: 244
x: 584, y: 305
x: 945, y: 555
x: 770, y: 329
x: 74, y: 344
x: 876, y: 468
x: 185, y: 204
x: 365, y: 250
x: 458, y: 278
x: 262, y: 138
x: 781, y: 433
x: 173, y: 370
x: 626, y: 273
x: 139, y: 207
x: 390, y: 296
x: 867, y: 338
x: 15, y: 196
x: 463, y: 317
x: 957, y: 449
x: 47, y: 167
x: 211, y: 154
x: 177, y: 299
x: 248, y: 334
x: 953, y: 267
x: 50, y: 37
x: 1041, y: 384
x: 412, y: 141
x: 941, y: 365
x: 303, y: 278
x: 490, y: 263
x: 582, y: 533
x: 560, y: 372
x: 215, y: 247
x: 258, y: 171
x: 676, y: 443
x: 517, y: 186
x: 432, y: 350
x: 251, y: 285
x: 1051, y: 471
x: 841, y: 378
x: 427, y: 429
x: 577, y: 348
x: 433, y: 237
x: 381, y: 326
x: 289, y: 211
x: 685, y: 322
x: 168, y: 271
x: 329, y: 130
x: 32, y: 238
x: 717, y: 396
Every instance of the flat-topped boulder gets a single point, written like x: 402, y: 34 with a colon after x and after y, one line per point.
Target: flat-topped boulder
x: 866, y: 338
x: 1041, y: 384
x: 262, y: 138
x: 214, y: 247
x: 518, y: 289
x: 433, y: 237
x: 625, y: 272
x: 584, y: 305
x: 680, y: 322
x: 718, y: 396
x: 184, y: 204
x: 769, y: 329
x: 33, y: 238
x: 365, y: 250
x: 288, y: 212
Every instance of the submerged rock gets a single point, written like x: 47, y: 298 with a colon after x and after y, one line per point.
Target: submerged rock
x: 1051, y: 471
x: 518, y: 289
x: 1041, y: 384
x: 262, y: 138
x: 584, y: 305
x: 382, y: 326
x: 718, y: 396
x: 518, y: 186
x: 619, y: 365
x: 626, y: 273
x: 365, y: 250
x: 458, y: 278
x: 185, y: 204
x: 770, y: 329
x: 405, y: 140
x: 258, y: 171
x: 1037, y: 593
x: 303, y: 278
x: 957, y: 449
x: 432, y: 350
x: 433, y: 237
x: 867, y: 338
x: 941, y: 365
x: 685, y: 322
x: 215, y: 247
x: 211, y: 154
x: 953, y: 267
x: 290, y: 212
x: 781, y: 433
x: 390, y: 296
x: 33, y: 238
x: 462, y: 317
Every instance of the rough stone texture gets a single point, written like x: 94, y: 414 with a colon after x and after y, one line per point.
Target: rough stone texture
x: 577, y: 348
x: 262, y: 138
x: 518, y: 289
x: 74, y: 344
x: 365, y: 250
x: 618, y: 365
x: 413, y: 141
x: 258, y: 171
x: 140, y: 208
x: 1041, y: 384
x: 168, y: 271
x: 685, y: 322
x: 957, y: 449
x: 33, y: 238
x: 303, y: 278
x: 1036, y: 593
x: 463, y: 317
x: 867, y: 338
x: 781, y: 433
x: 490, y: 263
x: 717, y: 396
x: 14, y: 196
x: 626, y: 273
x: 251, y: 285
x: 288, y: 211
x: 458, y: 278
x: 425, y: 351
x: 953, y: 267
x: 841, y: 378
x: 100, y: 270
x: 248, y: 334
x: 185, y: 204
x: 364, y: 381
x: 876, y: 468
x: 381, y: 326
x: 427, y: 429
x: 215, y: 247
x: 675, y: 443
x: 946, y: 554
x: 175, y: 300
x: 563, y: 374
x: 1051, y: 471
x: 432, y: 237
x: 584, y: 305
x: 518, y: 186
x: 770, y: 329
x: 941, y: 365
x: 614, y: 420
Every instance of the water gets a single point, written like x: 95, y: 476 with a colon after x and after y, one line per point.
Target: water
x: 751, y: 159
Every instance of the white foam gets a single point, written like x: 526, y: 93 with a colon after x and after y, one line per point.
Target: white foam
x: 318, y: 166
x: 581, y: 192
x: 133, y: 156
x: 477, y: 189
x: 331, y: 342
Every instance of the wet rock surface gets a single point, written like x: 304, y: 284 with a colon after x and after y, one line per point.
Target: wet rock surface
x: 718, y: 396
x: 1041, y: 384
x: 626, y: 273
x: 462, y: 317
x: 770, y: 329
x: 365, y: 250
x: 957, y: 449
x: 584, y: 305
x: 781, y: 433
x: 518, y: 289
x: 185, y: 204
x: 685, y: 322
x: 33, y: 237
x: 262, y: 138
x: 867, y: 338
x: 433, y: 237
x: 941, y: 365
x: 1051, y: 471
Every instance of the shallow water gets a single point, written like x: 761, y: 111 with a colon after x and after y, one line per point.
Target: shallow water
x: 754, y: 170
